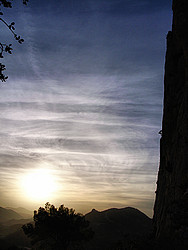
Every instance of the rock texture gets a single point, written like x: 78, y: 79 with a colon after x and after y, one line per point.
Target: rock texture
x: 171, y: 205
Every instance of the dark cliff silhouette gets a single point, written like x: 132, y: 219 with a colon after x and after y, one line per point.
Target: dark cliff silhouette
x: 171, y: 205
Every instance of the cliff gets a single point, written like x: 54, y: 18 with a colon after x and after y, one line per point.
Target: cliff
x: 171, y: 205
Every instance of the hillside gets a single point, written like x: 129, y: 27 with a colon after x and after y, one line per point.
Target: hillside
x: 8, y: 214
x: 11, y: 233
x: 11, y: 221
x: 25, y: 213
x: 14, y: 240
x: 111, y: 227
x: 116, y: 225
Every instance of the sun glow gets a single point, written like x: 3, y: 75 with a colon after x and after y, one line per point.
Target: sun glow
x: 39, y: 185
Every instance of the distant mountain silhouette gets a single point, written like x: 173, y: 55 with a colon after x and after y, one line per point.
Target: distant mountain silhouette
x: 8, y: 214
x: 25, y: 213
x: 115, y: 225
x: 111, y: 227
x: 12, y: 226
x: 11, y: 222
x: 15, y: 239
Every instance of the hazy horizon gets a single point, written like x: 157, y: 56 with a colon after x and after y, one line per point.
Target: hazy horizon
x: 81, y: 110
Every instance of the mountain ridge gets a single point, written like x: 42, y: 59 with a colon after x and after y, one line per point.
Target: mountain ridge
x: 110, y: 226
x: 25, y: 213
x: 115, y: 225
x: 8, y: 214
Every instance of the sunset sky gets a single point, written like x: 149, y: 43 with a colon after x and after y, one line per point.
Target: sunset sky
x: 82, y: 108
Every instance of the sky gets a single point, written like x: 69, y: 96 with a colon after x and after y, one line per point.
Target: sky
x: 82, y: 107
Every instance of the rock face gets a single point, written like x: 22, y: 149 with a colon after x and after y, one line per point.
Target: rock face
x: 171, y: 205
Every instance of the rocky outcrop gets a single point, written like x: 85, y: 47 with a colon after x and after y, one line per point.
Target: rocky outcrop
x: 171, y: 205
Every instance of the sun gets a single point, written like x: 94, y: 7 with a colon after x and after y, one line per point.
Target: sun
x: 39, y: 185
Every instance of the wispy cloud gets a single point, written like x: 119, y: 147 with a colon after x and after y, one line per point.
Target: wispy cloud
x: 97, y: 141
x: 86, y: 103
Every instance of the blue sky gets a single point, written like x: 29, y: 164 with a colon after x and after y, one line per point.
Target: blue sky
x: 84, y: 101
